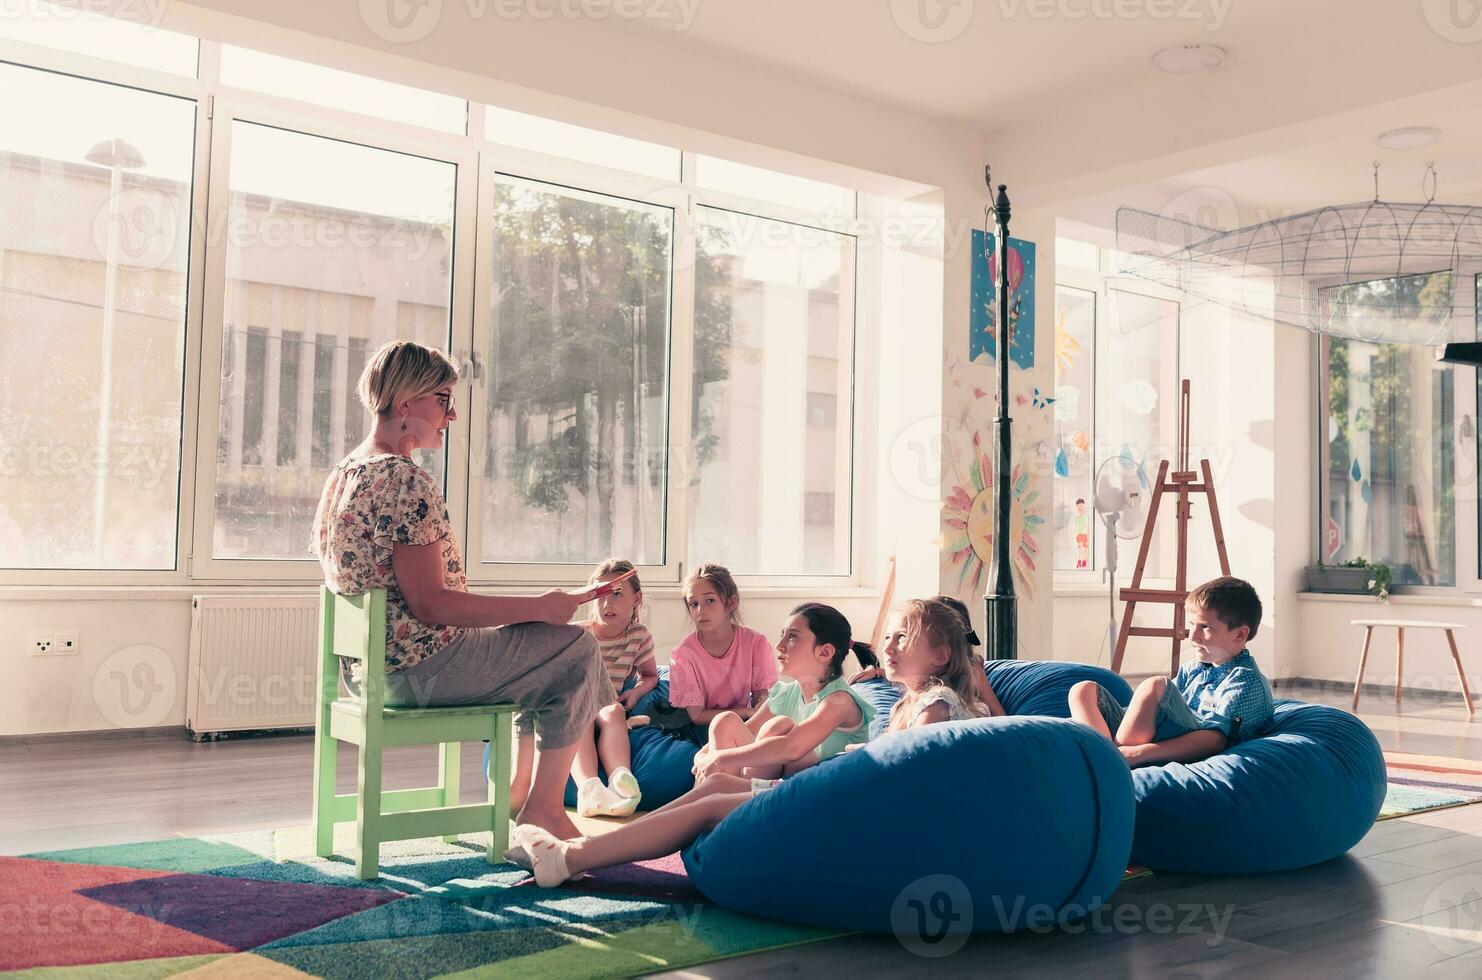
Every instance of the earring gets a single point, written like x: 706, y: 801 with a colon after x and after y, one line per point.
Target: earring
x: 403, y: 423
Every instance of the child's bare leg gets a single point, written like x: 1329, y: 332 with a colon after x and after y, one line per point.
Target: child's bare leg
x: 775, y: 727
x: 519, y: 790
x: 1084, y: 709
x: 584, y: 766
x: 656, y: 835
x: 716, y: 782
x: 1141, y: 720
x: 798, y: 765
x: 612, y: 739
x: 727, y: 731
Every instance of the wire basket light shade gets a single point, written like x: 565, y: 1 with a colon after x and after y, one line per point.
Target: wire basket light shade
x: 1378, y: 271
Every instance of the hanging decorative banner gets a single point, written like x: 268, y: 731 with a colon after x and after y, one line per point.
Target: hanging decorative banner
x: 982, y: 324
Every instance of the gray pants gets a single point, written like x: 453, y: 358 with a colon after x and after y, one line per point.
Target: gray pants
x: 554, y: 673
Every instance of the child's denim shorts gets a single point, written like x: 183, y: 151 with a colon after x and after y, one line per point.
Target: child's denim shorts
x: 1174, y: 717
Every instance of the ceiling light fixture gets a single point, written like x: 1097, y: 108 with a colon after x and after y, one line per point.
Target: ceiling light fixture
x: 1408, y: 137
x: 1189, y: 59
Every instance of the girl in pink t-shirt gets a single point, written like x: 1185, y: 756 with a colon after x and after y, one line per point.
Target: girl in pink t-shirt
x: 722, y: 666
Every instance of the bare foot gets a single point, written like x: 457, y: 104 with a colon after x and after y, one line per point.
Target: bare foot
x: 557, y: 822
x: 638, y: 721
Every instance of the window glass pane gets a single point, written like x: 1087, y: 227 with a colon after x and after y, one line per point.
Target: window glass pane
x: 579, y: 143
x: 578, y: 377
x: 769, y: 185
x: 95, y: 197
x: 774, y: 375
x: 1138, y: 401
x: 292, y: 79
x: 1076, y: 525
x: 332, y: 250
x: 132, y: 38
x: 1390, y: 482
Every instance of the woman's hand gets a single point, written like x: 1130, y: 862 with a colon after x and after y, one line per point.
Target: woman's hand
x: 629, y: 698
x: 557, y: 606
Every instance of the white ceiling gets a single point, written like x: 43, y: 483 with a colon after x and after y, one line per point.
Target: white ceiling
x: 1062, y: 90
x: 999, y: 65
x: 993, y: 63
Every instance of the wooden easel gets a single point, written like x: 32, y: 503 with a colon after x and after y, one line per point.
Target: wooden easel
x: 1183, y: 484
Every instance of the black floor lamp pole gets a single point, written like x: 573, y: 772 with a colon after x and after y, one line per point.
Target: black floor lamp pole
x: 1003, y: 628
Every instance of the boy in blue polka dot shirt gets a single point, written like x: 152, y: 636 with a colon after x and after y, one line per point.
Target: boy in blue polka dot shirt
x: 1220, y: 699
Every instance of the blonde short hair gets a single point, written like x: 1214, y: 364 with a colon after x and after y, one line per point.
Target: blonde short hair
x: 403, y: 370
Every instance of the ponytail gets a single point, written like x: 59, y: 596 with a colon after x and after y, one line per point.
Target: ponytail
x: 828, y: 625
x: 865, y: 654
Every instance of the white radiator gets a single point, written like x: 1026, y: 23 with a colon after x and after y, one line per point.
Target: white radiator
x: 252, y: 663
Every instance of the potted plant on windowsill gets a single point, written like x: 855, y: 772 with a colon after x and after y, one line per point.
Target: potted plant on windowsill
x: 1357, y: 576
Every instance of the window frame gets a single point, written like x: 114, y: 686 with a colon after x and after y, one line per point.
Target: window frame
x: 204, y: 566
x: 478, y: 160
x: 1102, y: 283
x: 1466, y: 404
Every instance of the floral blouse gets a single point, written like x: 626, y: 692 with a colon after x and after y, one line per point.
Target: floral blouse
x: 370, y: 503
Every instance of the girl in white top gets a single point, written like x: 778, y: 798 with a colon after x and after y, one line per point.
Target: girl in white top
x: 926, y: 651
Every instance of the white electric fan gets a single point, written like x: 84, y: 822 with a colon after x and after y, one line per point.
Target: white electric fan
x: 1121, y: 498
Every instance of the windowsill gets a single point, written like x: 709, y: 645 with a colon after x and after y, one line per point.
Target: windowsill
x: 1459, y: 599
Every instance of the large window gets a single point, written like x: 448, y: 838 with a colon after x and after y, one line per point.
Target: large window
x: 95, y: 200
x: 1116, y: 385
x: 332, y: 248
x: 1389, y: 486
x: 773, y: 377
x: 656, y: 348
x: 578, y: 389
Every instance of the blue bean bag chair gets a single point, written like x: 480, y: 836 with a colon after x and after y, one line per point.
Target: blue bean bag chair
x: 661, y: 761
x: 1003, y: 823
x: 1305, y: 792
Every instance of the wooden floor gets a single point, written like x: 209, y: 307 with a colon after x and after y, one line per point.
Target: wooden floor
x: 1408, y: 898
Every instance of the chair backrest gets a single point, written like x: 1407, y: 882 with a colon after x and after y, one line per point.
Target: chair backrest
x: 353, y: 626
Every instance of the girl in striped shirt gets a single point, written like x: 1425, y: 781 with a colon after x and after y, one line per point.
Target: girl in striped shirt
x: 627, y: 649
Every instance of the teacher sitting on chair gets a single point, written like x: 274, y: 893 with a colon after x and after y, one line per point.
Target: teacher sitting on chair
x: 382, y: 523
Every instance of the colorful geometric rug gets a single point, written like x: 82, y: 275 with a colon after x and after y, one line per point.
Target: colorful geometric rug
x: 261, y: 905
x: 1428, y: 782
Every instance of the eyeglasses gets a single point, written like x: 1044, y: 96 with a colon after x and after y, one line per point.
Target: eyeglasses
x: 445, y: 400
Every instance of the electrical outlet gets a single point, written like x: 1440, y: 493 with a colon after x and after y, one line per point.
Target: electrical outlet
x: 43, y: 644
x: 66, y: 641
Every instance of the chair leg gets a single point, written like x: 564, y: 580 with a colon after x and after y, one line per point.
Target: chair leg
x: 1399, y: 665
x: 497, y: 774
x: 325, y: 760
x: 447, y: 778
x: 368, y: 810
x: 1363, y: 659
x: 1456, y: 659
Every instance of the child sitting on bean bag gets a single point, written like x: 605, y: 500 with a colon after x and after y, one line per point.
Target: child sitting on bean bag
x: 927, y: 653
x: 1216, y: 701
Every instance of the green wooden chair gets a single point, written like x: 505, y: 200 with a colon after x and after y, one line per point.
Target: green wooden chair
x: 355, y: 626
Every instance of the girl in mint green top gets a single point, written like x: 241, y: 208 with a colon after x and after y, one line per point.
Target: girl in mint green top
x: 788, y: 700
x: 810, y: 714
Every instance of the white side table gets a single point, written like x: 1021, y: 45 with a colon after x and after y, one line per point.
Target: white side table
x: 1400, y: 625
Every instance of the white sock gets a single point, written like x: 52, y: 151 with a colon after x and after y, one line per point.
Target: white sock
x: 623, y: 782
x: 595, y: 800
x: 547, y: 854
